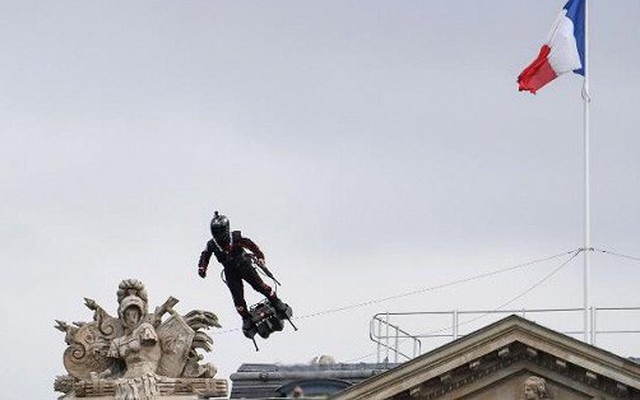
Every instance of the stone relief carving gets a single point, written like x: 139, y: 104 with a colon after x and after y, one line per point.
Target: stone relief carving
x: 535, y: 388
x: 138, y: 355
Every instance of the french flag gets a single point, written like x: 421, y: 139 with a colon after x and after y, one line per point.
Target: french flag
x: 564, y: 50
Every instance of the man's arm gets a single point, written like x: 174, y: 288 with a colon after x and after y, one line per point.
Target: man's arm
x: 205, y: 256
x: 248, y: 244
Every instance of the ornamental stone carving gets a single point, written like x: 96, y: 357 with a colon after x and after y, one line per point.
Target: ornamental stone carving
x: 139, y: 355
x: 535, y: 388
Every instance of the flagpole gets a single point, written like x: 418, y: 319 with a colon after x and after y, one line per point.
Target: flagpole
x: 588, y: 329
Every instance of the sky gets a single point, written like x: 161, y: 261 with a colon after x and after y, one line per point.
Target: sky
x: 370, y: 148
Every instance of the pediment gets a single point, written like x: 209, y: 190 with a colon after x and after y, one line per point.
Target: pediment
x: 493, y: 363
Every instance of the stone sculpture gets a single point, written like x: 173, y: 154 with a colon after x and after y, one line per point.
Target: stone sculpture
x: 535, y: 388
x: 139, y: 355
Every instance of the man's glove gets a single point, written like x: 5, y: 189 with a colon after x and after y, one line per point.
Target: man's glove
x: 202, y: 271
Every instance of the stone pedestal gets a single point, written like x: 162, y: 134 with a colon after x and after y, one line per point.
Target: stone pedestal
x: 179, y: 397
x: 179, y: 389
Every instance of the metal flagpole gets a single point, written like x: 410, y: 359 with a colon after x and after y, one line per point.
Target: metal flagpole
x: 588, y: 332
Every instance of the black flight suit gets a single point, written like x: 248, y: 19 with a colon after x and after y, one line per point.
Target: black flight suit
x: 238, y: 266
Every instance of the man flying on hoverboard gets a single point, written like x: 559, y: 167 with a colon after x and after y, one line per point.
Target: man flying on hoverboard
x: 230, y: 249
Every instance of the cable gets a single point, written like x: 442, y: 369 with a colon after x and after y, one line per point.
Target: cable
x: 424, y: 290
x: 528, y: 290
x: 519, y: 296
x: 428, y: 289
x: 617, y: 254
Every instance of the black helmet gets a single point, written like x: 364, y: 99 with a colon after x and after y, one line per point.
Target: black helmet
x: 220, y: 229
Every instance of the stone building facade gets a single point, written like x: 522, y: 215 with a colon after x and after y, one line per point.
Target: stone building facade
x: 511, y: 359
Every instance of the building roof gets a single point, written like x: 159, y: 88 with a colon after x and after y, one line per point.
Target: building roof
x: 260, y: 381
x: 505, y: 353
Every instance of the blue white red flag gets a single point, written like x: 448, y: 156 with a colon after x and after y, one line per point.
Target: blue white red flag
x: 564, y: 50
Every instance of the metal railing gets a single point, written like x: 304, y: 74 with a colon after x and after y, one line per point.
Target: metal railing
x: 393, y: 341
x: 398, y: 335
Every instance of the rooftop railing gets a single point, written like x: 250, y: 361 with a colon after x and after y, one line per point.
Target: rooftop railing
x: 394, y: 342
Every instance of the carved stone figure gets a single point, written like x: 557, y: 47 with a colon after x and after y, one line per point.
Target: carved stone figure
x: 535, y: 388
x: 138, y: 356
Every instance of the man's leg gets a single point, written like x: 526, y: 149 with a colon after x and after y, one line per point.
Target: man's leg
x: 234, y: 282
x: 250, y: 275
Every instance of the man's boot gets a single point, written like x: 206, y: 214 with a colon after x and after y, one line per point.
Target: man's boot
x: 283, y: 310
x: 248, y: 327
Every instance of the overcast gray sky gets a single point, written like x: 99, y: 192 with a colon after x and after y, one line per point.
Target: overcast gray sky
x: 371, y: 148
